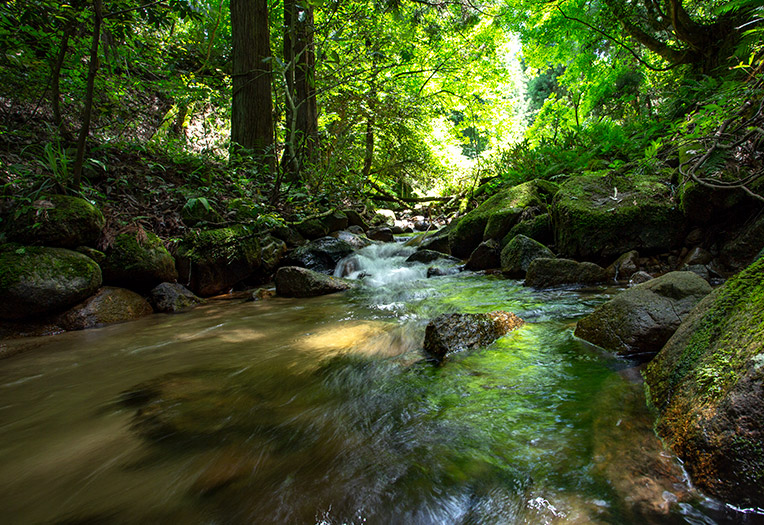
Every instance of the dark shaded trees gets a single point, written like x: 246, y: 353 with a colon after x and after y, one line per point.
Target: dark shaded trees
x: 252, y: 103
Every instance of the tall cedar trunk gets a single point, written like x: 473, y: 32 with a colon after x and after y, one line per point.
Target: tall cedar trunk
x: 88, y: 109
x: 301, y: 107
x: 252, y: 105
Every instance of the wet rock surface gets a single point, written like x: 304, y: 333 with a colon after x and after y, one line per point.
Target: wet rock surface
x: 173, y: 297
x: 546, y: 273
x: 639, y: 320
x: 485, y: 256
x: 109, y: 305
x: 294, y: 281
x: 139, y: 261
x: 451, y: 333
x: 320, y: 255
x: 60, y: 221
x: 519, y: 253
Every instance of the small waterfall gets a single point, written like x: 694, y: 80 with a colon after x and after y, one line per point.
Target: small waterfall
x: 380, y: 265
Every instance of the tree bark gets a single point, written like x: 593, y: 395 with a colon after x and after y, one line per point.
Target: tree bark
x: 58, y: 120
x: 88, y: 109
x: 252, y: 104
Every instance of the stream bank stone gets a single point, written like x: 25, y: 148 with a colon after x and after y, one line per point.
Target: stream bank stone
x: 109, y: 305
x: 139, y: 261
x: 639, y: 320
x: 707, y: 384
x: 59, y: 221
x: 449, y: 333
x: 172, y: 297
x: 519, y: 253
x: 546, y: 273
x: 36, y: 281
x: 294, y: 281
x: 320, y: 255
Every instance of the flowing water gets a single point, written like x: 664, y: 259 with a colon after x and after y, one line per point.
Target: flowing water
x: 322, y: 411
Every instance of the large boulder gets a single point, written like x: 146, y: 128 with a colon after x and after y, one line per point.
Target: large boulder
x: 496, y: 216
x: 211, y: 261
x: 320, y: 255
x: 109, y: 305
x: 545, y: 273
x: 708, y: 387
x: 357, y: 241
x: 739, y: 251
x: 380, y: 233
x: 638, y: 321
x: 172, y: 297
x: 449, y: 333
x: 355, y: 219
x: 139, y: 261
x: 336, y: 221
x: 36, y: 281
x: 294, y: 281
x: 312, y: 228
x: 601, y: 217
x: 538, y: 228
x: 438, y: 241
x: 519, y: 253
x: 58, y: 220
x: 485, y: 256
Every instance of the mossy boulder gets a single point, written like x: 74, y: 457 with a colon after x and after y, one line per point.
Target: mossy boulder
x: 708, y: 387
x: 740, y: 250
x: 211, y: 261
x: 600, y: 217
x: 312, y: 228
x: 139, y: 261
x: 321, y: 255
x: 450, y: 333
x: 701, y: 204
x: 519, y: 253
x: 36, y: 281
x: 638, y: 321
x: 59, y: 221
x: 485, y: 256
x: 546, y: 273
x: 109, y: 305
x: 336, y: 221
x: 496, y: 216
x: 538, y: 228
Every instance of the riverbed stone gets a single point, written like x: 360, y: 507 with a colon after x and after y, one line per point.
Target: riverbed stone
x: 320, y: 255
x: 211, y: 261
x: 335, y: 221
x: 449, y: 333
x: 538, y: 228
x: 707, y: 384
x: 496, y: 216
x: 438, y: 241
x: 426, y: 256
x: 383, y: 217
x: 603, y: 216
x: 546, y: 273
x: 58, y: 221
x: 638, y: 321
x: 173, y: 297
x: 355, y: 239
x: 294, y: 281
x: 312, y: 228
x: 380, y: 233
x: 485, y: 256
x: 138, y: 260
x: 624, y: 267
x: 519, y: 253
x: 36, y: 281
x: 109, y: 305
x: 355, y: 219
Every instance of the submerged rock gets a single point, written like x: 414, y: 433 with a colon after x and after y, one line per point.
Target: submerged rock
x: 519, y: 253
x: 172, y: 297
x: 545, y: 273
x: 139, y: 261
x: 36, y: 281
x: 293, y: 281
x: 708, y: 387
x: 639, y: 321
x: 58, y: 220
x: 451, y: 333
x: 110, y: 305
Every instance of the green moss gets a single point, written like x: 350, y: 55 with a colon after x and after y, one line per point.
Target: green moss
x: 210, y: 246
x: 59, y: 220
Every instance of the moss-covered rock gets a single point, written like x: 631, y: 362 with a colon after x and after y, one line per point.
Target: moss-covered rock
x: 212, y: 261
x: 336, y: 221
x: 138, y: 261
x: 58, y: 220
x: 519, y: 253
x: 486, y: 256
x: 449, y: 333
x: 321, y: 255
x: 545, y: 273
x: 740, y: 250
x: 496, y: 216
x: 596, y: 217
x: 708, y: 387
x: 293, y: 281
x: 172, y: 297
x: 538, y: 228
x: 638, y: 321
x: 37, y: 281
x: 109, y: 305
x: 312, y: 228
x: 701, y: 204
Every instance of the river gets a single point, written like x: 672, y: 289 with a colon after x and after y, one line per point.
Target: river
x: 322, y: 411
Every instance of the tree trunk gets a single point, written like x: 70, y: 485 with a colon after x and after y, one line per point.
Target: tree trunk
x: 252, y: 104
x: 58, y: 120
x: 88, y: 109
x: 301, y: 108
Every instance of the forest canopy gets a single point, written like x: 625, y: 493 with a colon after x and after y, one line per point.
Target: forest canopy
x: 343, y: 100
